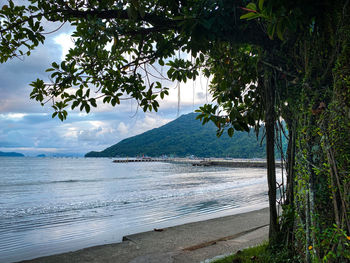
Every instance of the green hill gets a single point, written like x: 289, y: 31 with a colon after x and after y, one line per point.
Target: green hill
x: 186, y: 136
x: 11, y: 154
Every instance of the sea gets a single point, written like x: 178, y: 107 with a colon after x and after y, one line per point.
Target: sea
x: 56, y: 205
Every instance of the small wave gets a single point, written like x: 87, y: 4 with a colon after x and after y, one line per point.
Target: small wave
x: 68, y: 181
x: 42, y: 183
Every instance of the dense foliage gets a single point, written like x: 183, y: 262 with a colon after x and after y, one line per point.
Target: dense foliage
x: 263, y: 253
x: 258, y: 254
x: 269, y: 60
x: 186, y: 136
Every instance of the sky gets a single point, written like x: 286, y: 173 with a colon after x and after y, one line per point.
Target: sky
x: 27, y: 127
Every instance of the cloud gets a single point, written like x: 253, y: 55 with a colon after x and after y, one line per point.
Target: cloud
x: 27, y: 127
x: 15, y: 77
x: 65, y: 41
x: 150, y: 121
x: 13, y: 116
x: 79, y: 134
x: 89, y: 135
x: 122, y: 128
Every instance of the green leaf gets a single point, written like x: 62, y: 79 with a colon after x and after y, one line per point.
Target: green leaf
x: 249, y: 16
x: 142, y: 11
x: 106, y: 99
x: 201, y: 57
x: 75, y: 104
x: 251, y: 6
x: 279, y: 30
x: 230, y: 132
x: 237, y: 126
x: 207, y: 23
x: 87, y: 108
x: 79, y: 93
x: 132, y: 12
x: 271, y: 30
x: 93, y: 102
x: 82, y: 105
x: 60, y: 116
x: 261, y: 4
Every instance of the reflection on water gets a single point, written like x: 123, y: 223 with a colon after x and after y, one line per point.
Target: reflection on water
x: 53, y: 205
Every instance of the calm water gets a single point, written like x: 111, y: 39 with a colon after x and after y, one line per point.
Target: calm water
x: 53, y: 205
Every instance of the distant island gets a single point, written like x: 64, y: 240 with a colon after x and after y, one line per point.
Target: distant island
x: 11, y: 154
x: 186, y: 136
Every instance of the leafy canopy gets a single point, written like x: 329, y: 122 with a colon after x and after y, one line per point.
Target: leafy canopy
x: 119, y: 47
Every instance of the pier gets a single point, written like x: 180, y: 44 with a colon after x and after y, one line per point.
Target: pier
x: 137, y: 160
x: 234, y: 163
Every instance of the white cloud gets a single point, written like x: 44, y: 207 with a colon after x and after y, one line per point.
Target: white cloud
x: 66, y: 42
x: 13, y: 116
x: 150, y: 121
x: 192, y: 93
x: 122, y: 128
x: 26, y: 125
x: 89, y: 135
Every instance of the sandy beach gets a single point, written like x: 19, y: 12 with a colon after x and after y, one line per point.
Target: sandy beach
x: 193, y: 242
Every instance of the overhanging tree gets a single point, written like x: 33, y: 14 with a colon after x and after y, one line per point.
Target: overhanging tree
x: 269, y: 60
x: 107, y: 32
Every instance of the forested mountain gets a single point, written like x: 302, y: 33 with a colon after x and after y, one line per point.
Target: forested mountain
x: 11, y: 154
x: 186, y: 136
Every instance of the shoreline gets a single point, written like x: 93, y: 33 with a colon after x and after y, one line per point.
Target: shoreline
x: 233, y: 163
x: 191, y: 242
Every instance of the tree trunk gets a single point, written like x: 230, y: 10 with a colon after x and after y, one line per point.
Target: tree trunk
x: 290, y: 161
x: 288, y: 226
x: 270, y: 119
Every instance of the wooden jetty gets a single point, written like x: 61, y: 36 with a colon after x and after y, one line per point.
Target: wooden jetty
x: 241, y: 164
x: 233, y: 164
x: 206, y: 162
x: 202, y: 163
x: 137, y: 160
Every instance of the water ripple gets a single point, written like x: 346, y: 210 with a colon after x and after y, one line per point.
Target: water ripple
x: 55, y: 205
